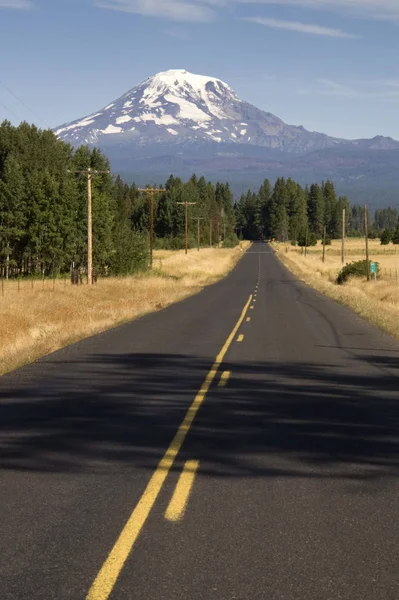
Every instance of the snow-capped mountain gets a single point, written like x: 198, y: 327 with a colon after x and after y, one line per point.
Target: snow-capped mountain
x: 180, y: 123
x: 176, y: 107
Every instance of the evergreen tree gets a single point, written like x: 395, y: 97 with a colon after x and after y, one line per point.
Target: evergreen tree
x: 279, y: 223
x: 386, y: 236
x: 395, y: 236
x: 316, y: 211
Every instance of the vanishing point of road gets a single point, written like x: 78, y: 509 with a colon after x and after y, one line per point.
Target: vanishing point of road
x: 242, y: 444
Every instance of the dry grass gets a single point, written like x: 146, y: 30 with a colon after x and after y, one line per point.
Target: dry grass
x: 37, y: 320
x: 378, y: 302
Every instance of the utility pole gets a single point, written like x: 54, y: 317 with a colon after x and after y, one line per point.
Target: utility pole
x: 324, y: 244
x: 198, y: 219
x: 366, y: 233
x: 89, y: 172
x: 151, y: 192
x: 306, y: 241
x: 186, y: 203
x: 343, y: 237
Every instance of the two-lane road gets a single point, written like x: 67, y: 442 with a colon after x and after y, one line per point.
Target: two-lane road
x: 242, y: 444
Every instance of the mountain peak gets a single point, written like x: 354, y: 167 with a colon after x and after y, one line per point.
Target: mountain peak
x: 172, y: 104
x: 175, y: 78
x: 176, y: 107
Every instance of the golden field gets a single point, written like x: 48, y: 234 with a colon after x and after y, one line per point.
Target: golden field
x: 376, y: 301
x: 38, y: 318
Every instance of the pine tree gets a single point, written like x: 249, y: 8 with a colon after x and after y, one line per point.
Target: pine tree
x: 386, y: 236
x: 395, y: 236
x: 330, y: 209
x: 297, y: 211
x: 12, y: 211
x: 279, y: 222
x: 316, y: 210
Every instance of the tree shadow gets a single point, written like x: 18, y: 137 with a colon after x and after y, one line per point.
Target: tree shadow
x: 273, y: 419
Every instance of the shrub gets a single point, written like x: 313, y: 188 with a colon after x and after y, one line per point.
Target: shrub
x: 312, y: 240
x: 395, y: 235
x: 175, y: 243
x: 355, y: 269
x: 230, y: 241
x: 132, y: 253
x: 386, y: 236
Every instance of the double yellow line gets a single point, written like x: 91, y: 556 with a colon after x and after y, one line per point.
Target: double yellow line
x: 107, y: 576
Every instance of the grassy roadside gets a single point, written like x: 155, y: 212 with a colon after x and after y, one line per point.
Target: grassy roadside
x: 377, y: 302
x: 35, y: 321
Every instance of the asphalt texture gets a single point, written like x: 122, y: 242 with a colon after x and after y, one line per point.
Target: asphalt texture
x: 296, y: 495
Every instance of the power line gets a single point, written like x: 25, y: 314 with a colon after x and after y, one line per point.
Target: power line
x: 23, y: 104
x: 10, y: 111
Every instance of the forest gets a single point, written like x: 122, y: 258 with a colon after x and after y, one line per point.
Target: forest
x: 43, y: 210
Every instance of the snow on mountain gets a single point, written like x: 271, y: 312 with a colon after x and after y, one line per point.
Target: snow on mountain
x: 176, y: 108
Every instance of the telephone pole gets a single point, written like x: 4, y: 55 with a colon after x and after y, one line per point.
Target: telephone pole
x: 186, y: 203
x: 151, y: 192
x: 89, y: 172
x: 366, y: 233
x: 343, y: 237
x: 306, y: 240
x: 198, y: 219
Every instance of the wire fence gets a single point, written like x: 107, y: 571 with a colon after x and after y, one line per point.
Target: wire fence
x: 23, y: 285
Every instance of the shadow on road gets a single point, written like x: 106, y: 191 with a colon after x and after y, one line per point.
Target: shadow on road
x: 124, y: 411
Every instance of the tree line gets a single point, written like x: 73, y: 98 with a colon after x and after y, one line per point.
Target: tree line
x: 289, y: 212
x: 43, y: 210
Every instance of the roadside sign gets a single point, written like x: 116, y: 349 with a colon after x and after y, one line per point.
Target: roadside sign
x: 373, y: 267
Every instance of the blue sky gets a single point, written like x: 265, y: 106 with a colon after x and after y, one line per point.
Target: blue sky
x: 329, y: 65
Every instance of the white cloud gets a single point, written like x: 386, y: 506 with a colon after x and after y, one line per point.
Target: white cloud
x: 381, y: 89
x: 328, y: 87
x: 378, y: 9
x: 300, y: 27
x: 205, y: 10
x: 16, y: 4
x: 175, y: 10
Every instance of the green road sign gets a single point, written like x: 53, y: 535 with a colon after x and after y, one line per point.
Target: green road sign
x: 373, y: 267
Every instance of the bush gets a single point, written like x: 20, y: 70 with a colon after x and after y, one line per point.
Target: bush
x: 386, y: 236
x: 132, y: 253
x: 175, y: 243
x: 312, y: 240
x: 230, y: 241
x: 328, y: 241
x: 355, y: 269
x: 395, y: 235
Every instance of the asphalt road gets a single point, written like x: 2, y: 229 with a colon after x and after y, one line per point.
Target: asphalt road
x: 289, y: 488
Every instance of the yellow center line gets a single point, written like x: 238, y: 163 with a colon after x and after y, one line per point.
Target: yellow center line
x: 240, y: 338
x: 225, y: 376
x: 178, y: 503
x: 109, y: 572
